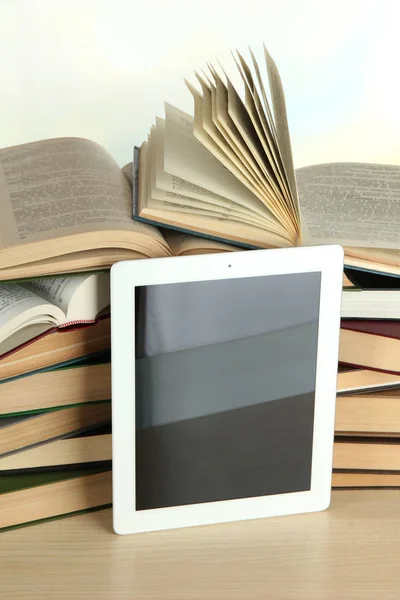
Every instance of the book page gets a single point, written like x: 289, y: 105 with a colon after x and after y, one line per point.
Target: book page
x: 156, y: 200
x: 231, y: 145
x: 171, y: 184
x: 19, y: 306
x: 14, y: 300
x: 186, y: 157
x: 267, y: 108
x: 223, y: 121
x: 57, y: 290
x: 224, y: 154
x: 128, y: 172
x: 224, y: 124
x: 60, y: 187
x: 352, y: 204
x: 241, y: 118
x: 282, y: 127
x: 204, y: 122
x: 254, y: 105
x: 205, y: 130
x: 81, y: 297
x: 249, y: 135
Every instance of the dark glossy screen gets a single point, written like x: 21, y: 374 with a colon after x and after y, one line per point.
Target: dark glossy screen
x: 225, y: 382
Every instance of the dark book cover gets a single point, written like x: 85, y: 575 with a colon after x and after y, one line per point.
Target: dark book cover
x: 390, y: 329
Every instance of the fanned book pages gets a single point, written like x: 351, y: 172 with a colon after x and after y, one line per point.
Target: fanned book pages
x: 227, y: 173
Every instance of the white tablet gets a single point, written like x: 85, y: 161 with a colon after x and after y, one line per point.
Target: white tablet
x: 223, y: 386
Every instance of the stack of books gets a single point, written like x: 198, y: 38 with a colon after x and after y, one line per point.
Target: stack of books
x: 66, y: 217
x: 367, y: 443
x: 220, y: 181
x: 55, y: 397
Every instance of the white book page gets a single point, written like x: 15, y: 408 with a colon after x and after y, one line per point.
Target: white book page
x: 207, y: 133
x: 21, y: 336
x: 224, y: 124
x: 20, y: 307
x: 224, y: 100
x: 267, y: 135
x: 171, y: 184
x: 282, y: 126
x: 165, y: 182
x: 60, y: 187
x: 173, y: 210
x: 232, y: 163
x: 352, y: 204
x: 186, y: 157
x: 80, y: 297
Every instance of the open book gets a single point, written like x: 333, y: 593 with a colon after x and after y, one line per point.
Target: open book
x: 66, y: 206
x: 228, y: 173
x: 29, y: 308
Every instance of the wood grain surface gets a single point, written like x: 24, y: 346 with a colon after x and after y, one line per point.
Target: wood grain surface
x: 351, y: 551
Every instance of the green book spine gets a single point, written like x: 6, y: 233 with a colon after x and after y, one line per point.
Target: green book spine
x: 90, y: 359
x: 21, y: 481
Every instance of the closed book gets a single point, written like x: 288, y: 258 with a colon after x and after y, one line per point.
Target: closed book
x: 371, y: 304
x: 56, y: 346
x: 82, y: 382
x: 33, y: 497
x: 359, y: 480
x: 79, y: 450
x: 371, y: 344
x: 372, y: 414
x: 31, y: 307
x: 356, y: 379
x: 370, y: 454
x: 25, y: 431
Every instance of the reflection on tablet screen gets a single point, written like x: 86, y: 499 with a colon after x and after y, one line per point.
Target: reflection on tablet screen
x: 225, y: 384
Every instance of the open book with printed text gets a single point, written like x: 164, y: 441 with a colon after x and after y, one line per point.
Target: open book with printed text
x: 66, y: 206
x: 227, y: 173
x: 28, y: 308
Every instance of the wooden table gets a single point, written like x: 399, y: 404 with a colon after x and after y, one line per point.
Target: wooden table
x: 351, y: 551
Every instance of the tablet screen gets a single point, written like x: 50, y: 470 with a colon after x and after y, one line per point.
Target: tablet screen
x: 225, y: 386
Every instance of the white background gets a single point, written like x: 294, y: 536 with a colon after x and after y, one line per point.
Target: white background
x: 102, y: 69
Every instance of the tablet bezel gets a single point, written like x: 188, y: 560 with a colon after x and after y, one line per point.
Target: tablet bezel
x: 125, y: 276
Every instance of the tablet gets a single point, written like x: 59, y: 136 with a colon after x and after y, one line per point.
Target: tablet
x: 223, y: 386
